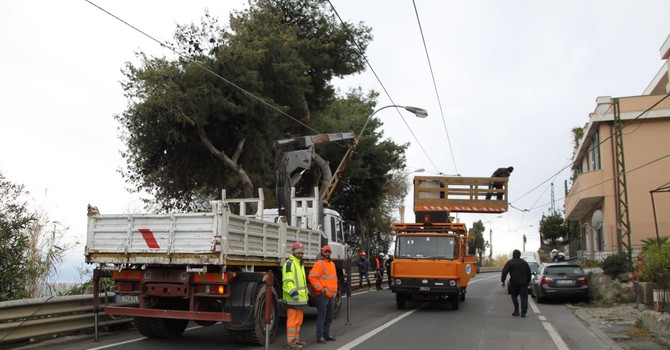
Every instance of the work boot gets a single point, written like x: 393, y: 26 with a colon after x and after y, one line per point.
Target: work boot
x: 321, y: 340
x: 293, y: 346
x: 329, y: 337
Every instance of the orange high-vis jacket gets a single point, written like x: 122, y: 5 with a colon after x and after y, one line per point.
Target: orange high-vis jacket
x: 324, y: 277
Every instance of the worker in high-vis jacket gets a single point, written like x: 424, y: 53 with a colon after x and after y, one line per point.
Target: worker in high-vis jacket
x: 295, y: 295
x: 323, y: 278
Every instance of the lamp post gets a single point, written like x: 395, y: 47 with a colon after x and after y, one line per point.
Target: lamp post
x: 419, y: 112
x: 491, y: 237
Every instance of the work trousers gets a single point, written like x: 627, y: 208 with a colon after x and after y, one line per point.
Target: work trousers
x: 520, y: 291
x: 324, y: 316
x: 360, y: 279
x: 293, y: 324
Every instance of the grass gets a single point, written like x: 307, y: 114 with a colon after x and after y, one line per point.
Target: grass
x: 640, y: 330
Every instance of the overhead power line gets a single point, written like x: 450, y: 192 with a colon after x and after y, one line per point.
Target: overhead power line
x: 383, y: 87
x: 437, y: 94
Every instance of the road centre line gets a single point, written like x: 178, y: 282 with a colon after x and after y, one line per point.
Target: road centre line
x: 364, y: 337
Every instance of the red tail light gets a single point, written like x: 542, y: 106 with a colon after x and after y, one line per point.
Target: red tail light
x: 583, y: 281
x: 546, y: 280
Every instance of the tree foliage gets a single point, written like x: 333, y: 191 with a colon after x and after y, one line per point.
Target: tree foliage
x: 15, y: 223
x: 207, y: 120
x: 477, y: 231
x: 29, y: 245
x: 553, y: 229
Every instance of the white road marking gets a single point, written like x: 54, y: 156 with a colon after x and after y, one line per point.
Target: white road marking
x: 133, y: 340
x: 558, y: 341
x: 364, y: 337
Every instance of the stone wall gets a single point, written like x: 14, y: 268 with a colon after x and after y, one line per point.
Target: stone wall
x: 620, y: 290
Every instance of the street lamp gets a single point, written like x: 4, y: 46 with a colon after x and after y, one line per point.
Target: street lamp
x: 491, y: 237
x: 419, y: 112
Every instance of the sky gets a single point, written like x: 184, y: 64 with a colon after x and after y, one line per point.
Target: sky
x: 511, y: 80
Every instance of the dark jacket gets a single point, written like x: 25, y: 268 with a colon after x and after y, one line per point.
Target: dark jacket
x: 363, y: 266
x: 519, y: 271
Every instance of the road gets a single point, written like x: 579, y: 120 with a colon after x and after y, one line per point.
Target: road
x: 484, y: 321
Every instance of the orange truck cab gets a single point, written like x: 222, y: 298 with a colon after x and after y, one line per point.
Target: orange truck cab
x: 434, y: 258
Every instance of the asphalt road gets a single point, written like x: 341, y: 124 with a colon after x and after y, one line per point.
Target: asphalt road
x: 484, y: 321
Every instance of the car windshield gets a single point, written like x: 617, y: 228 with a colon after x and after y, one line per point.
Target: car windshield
x: 426, y: 247
x: 564, y: 270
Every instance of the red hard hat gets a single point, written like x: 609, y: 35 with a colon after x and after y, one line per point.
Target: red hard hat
x: 298, y: 247
x: 362, y: 254
x: 326, y: 247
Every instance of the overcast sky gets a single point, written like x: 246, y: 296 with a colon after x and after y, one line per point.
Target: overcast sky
x: 513, y: 78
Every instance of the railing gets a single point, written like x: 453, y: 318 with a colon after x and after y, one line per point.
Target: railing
x: 601, y: 255
x: 31, y: 318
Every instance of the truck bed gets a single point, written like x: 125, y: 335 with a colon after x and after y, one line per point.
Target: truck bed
x: 218, y: 237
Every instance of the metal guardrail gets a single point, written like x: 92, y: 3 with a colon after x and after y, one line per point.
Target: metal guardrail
x: 31, y: 318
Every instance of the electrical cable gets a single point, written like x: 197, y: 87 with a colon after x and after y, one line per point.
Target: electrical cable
x: 383, y: 87
x: 437, y: 94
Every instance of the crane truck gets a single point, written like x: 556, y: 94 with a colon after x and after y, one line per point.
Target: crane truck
x: 209, y: 267
x: 434, y: 257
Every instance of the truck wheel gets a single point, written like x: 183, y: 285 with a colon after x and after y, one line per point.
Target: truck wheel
x: 337, y: 307
x: 167, y: 328
x: 455, y: 300
x: 258, y: 336
x: 400, y: 301
x: 249, y: 326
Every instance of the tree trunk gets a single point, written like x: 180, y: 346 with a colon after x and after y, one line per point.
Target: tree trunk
x: 230, y: 163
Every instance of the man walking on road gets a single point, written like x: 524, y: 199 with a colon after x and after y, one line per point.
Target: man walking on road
x: 519, y: 277
x: 323, y: 278
x: 294, y: 294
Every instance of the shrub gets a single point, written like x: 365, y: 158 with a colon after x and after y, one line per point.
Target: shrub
x: 614, y: 265
x: 653, y: 262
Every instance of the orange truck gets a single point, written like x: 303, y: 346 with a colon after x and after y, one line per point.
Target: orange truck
x: 434, y: 257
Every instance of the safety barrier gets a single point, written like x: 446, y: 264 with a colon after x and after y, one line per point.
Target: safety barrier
x: 32, y: 318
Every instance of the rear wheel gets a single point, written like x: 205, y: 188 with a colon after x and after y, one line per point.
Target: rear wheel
x: 400, y: 301
x: 166, y: 328
x: 254, y: 334
x: 337, y: 307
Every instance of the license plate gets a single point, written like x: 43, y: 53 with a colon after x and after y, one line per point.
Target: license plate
x: 424, y: 289
x: 565, y: 282
x: 127, y: 299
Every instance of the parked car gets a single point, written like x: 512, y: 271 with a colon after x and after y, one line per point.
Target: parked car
x: 560, y: 280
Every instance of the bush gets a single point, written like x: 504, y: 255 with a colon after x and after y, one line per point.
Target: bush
x: 653, y: 262
x: 614, y: 265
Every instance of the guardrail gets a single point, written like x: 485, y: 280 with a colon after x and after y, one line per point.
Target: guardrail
x: 31, y: 318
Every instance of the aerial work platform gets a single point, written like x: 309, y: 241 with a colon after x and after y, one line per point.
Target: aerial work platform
x: 459, y: 195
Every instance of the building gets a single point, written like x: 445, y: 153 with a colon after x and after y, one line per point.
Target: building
x: 615, y: 172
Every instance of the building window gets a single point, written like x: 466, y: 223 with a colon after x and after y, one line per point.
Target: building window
x: 594, y: 153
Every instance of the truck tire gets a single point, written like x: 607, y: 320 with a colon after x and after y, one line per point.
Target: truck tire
x: 166, y: 328
x: 337, y: 307
x: 400, y: 301
x: 455, y: 300
x: 256, y: 335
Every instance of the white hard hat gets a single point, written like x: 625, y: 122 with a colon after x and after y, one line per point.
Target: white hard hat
x: 561, y: 254
x: 554, y: 251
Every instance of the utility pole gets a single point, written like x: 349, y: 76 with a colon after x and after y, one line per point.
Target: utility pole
x: 490, y: 244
